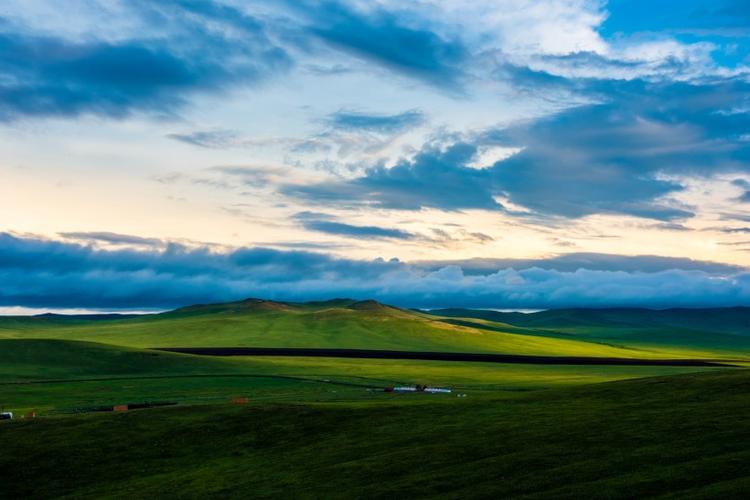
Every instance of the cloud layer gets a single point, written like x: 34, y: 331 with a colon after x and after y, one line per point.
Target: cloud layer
x: 43, y: 273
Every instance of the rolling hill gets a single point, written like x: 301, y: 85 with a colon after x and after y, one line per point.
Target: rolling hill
x: 344, y: 323
x: 729, y: 320
x: 721, y: 330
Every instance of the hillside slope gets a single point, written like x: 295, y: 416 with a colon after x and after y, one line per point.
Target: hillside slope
x: 681, y: 436
x: 725, y: 330
x: 346, y: 323
x: 728, y: 320
x: 336, y: 324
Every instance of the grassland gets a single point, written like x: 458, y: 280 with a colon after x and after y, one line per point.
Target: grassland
x: 324, y: 428
x: 684, y: 436
x: 54, y: 375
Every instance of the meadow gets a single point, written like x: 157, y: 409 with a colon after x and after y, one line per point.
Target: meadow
x: 53, y: 376
x: 325, y: 427
x: 682, y: 436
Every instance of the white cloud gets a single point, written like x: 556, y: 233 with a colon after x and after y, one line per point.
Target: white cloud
x: 488, y: 156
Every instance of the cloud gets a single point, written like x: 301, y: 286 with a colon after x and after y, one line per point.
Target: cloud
x: 449, y: 238
x: 228, y: 139
x: 351, y: 132
x: 621, y: 155
x: 385, y: 124
x: 113, y: 238
x: 660, y: 59
x: 574, y: 261
x: 348, y: 132
x: 257, y: 176
x: 382, y: 36
x: 61, y: 274
x: 732, y: 230
x: 54, y: 75
x: 324, y: 223
x: 211, y: 139
x: 434, y: 178
x: 618, y: 156
x: 44, y: 273
x: 735, y: 217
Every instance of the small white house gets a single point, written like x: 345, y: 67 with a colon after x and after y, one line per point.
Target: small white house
x: 437, y: 390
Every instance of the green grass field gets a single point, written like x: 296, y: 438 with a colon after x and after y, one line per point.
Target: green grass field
x: 54, y: 375
x: 324, y: 427
x: 682, y: 436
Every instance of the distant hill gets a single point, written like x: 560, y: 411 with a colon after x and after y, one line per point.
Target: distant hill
x: 367, y: 324
x: 732, y: 320
x: 87, y: 317
x: 339, y: 323
x: 262, y: 305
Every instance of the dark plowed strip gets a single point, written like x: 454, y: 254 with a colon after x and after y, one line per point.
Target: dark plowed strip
x: 434, y: 356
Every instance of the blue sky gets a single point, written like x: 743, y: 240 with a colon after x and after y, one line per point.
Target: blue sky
x: 506, y: 153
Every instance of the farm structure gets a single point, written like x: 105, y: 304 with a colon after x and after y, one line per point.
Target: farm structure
x: 417, y: 388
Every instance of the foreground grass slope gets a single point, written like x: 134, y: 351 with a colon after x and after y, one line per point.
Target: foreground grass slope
x: 54, y: 375
x: 680, y: 436
x: 349, y: 324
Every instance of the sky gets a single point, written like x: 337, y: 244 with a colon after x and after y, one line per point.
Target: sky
x: 432, y: 153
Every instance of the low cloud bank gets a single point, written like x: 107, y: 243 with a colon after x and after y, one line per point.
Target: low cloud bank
x: 43, y: 273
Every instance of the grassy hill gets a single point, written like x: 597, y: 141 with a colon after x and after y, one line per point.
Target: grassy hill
x: 344, y: 323
x: 728, y: 320
x: 681, y: 436
x: 723, y: 330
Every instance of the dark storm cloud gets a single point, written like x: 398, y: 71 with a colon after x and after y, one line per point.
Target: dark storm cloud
x: 45, y: 75
x: 39, y: 272
x: 43, y: 273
